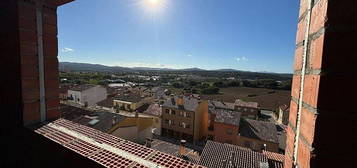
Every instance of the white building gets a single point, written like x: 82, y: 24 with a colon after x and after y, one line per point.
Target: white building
x: 87, y: 94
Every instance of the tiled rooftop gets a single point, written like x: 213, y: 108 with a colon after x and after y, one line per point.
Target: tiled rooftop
x: 227, y: 116
x: 275, y: 160
x: 173, y: 149
x: 218, y: 155
x: 241, y: 103
x: 131, y: 97
x: 106, y: 149
x: 262, y: 130
x: 153, y: 109
x: 189, y: 104
x: 220, y: 105
x: 83, y: 117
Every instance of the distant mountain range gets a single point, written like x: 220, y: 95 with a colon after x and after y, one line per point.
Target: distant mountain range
x: 73, y: 66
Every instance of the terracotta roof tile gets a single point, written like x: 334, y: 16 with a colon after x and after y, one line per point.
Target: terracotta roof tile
x: 241, y: 103
x: 261, y: 130
x: 106, y: 149
x: 218, y: 155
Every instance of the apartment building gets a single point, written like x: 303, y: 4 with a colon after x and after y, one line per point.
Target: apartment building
x: 182, y: 117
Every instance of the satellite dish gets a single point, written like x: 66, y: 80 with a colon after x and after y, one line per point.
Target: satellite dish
x: 153, y: 130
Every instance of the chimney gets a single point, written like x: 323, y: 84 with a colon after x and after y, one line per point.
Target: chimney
x: 180, y: 101
x: 114, y: 121
x: 148, y: 142
x: 182, y: 150
x: 136, y: 114
x: 265, y: 147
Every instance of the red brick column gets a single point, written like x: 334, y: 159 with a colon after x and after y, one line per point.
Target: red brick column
x: 328, y: 116
x: 30, y: 73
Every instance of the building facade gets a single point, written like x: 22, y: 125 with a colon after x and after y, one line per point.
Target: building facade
x: 182, y: 118
x: 131, y: 101
x: 87, y: 95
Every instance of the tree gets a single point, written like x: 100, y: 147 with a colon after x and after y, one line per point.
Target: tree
x: 177, y: 85
x: 233, y: 84
x: 210, y: 90
x: 204, y: 85
x: 192, y: 83
x: 219, y: 84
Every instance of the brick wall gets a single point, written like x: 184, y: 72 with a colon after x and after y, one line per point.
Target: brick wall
x: 327, y: 111
x: 30, y: 78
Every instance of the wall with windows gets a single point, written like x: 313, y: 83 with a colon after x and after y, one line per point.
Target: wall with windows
x: 180, y: 121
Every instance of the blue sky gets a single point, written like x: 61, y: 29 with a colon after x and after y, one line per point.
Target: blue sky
x: 252, y: 35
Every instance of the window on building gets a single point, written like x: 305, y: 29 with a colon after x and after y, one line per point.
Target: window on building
x: 171, y: 122
x: 166, y: 121
x: 167, y: 111
x: 229, y: 131
x: 188, y: 115
x: 173, y: 112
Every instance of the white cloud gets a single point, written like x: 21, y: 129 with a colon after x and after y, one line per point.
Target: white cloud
x: 148, y: 65
x: 189, y: 55
x: 241, y: 59
x: 66, y: 49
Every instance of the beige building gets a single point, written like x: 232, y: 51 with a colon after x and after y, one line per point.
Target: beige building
x: 183, y: 117
x: 131, y: 101
x: 135, y: 129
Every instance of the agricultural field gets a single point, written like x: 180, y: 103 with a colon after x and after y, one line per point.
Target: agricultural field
x: 267, y: 98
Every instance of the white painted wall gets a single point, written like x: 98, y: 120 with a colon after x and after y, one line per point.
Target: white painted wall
x: 76, y: 95
x: 92, y: 95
